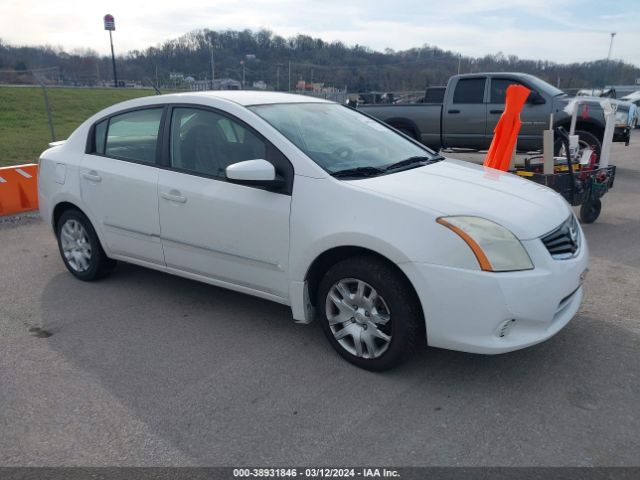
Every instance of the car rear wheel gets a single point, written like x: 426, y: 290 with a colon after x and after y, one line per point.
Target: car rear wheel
x: 80, y: 248
x: 368, y: 313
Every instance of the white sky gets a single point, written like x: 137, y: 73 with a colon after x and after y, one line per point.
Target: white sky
x: 557, y: 30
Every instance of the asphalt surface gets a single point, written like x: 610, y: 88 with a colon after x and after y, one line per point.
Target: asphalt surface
x: 144, y: 368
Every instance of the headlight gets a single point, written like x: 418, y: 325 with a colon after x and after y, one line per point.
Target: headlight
x: 495, y: 247
x: 622, y: 118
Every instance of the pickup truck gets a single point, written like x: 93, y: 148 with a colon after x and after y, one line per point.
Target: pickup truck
x: 472, y: 105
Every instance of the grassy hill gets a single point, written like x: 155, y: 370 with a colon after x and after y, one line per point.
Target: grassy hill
x: 24, y: 131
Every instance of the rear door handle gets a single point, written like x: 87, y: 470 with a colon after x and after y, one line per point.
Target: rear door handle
x: 496, y: 111
x: 453, y: 111
x: 92, y: 176
x: 174, y: 196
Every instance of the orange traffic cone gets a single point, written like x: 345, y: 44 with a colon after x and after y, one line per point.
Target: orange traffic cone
x: 506, y: 132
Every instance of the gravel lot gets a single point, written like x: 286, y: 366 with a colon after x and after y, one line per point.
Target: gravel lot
x: 148, y: 369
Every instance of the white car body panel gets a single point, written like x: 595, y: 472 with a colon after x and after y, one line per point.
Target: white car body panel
x: 263, y: 243
x: 227, y: 216
x: 122, y: 197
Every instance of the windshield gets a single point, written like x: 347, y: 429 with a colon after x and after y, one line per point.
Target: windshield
x: 338, y: 138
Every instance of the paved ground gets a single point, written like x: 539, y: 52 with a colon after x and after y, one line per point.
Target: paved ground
x: 148, y: 369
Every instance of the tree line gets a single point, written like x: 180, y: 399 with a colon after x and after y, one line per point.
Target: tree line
x: 281, y: 62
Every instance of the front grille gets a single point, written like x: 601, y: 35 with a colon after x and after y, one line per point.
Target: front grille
x: 564, y: 241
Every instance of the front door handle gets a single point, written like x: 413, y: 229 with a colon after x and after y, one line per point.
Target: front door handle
x: 174, y: 196
x: 92, y: 176
x: 496, y: 111
x: 453, y: 111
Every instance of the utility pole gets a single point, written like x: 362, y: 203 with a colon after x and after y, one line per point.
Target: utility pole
x: 110, y: 25
x: 459, y: 62
x: 606, y: 72
x: 277, y: 77
x: 213, y: 71
x: 289, y: 76
x: 242, y: 63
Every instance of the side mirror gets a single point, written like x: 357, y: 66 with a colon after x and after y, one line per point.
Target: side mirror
x: 536, y: 99
x: 254, y: 172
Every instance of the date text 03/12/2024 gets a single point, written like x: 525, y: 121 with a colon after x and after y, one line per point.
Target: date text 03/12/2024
x: 315, y: 473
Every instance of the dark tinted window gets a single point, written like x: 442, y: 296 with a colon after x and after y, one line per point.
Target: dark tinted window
x: 100, y: 137
x: 206, y: 142
x: 499, y: 89
x: 469, y: 90
x: 434, y: 95
x: 133, y: 135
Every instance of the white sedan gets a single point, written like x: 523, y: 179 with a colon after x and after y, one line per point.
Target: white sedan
x: 316, y: 206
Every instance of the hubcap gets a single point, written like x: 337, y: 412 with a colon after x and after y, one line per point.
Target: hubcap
x: 76, y: 246
x: 359, y: 318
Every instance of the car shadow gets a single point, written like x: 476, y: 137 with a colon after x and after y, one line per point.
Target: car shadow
x: 230, y: 378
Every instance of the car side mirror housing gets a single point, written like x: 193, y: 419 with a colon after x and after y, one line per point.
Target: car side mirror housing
x: 536, y: 99
x: 254, y: 172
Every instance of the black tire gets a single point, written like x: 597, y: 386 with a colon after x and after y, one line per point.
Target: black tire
x: 584, y: 137
x: 98, y: 265
x: 405, y: 325
x: 590, y: 210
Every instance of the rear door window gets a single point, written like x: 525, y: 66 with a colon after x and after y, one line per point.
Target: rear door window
x: 469, y: 90
x: 132, y: 135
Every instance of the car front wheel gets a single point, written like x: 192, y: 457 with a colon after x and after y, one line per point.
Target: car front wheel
x: 80, y: 248
x: 368, y: 313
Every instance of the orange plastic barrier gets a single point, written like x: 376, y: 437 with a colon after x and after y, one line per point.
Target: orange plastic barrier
x: 18, y: 188
x: 506, y: 132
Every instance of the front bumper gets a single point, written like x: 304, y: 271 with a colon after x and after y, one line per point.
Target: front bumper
x: 485, y: 312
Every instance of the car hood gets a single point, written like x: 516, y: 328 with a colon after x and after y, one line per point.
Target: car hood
x: 455, y: 187
x: 622, y: 105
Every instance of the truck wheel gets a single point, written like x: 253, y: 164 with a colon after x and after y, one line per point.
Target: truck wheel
x: 590, y: 210
x: 368, y: 313
x: 585, y: 139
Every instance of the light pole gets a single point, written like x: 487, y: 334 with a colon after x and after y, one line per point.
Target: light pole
x: 213, y: 72
x: 110, y: 25
x: 606, y: 71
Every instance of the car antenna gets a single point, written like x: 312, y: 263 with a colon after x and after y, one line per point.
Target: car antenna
x: 153, y: 85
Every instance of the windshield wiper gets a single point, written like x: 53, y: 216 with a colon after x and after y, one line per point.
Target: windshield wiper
x: 417, y: 161
x: 358, y: 172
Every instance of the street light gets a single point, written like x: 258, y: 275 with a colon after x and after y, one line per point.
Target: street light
x: 606, y: 71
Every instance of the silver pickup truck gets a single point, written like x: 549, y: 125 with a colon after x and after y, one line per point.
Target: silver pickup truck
x: 472, y: 106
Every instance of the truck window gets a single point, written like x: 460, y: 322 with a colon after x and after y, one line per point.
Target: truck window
x: 469, y: 90
x: 499, y: 89
x: 434, y: 95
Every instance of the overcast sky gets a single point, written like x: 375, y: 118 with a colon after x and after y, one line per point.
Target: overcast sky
x: 558, y: 30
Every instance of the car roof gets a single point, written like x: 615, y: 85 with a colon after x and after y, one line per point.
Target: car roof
x: 245, y: 97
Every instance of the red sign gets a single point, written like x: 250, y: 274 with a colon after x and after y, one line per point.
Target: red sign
x: 109, y: 22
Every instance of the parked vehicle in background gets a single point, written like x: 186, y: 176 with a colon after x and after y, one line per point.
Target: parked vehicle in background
x: 633, y: 98
x: 597, y: 92
x: 434, y: 95
x: 314, y: 205
x: 473, y: 104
